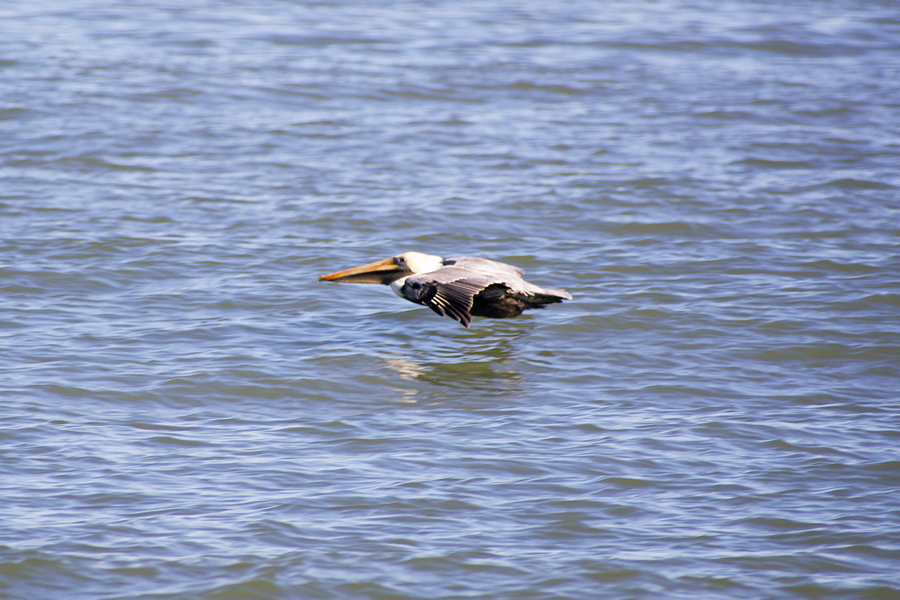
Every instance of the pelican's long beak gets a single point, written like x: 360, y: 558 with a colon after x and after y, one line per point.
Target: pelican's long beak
x: 384, y: 271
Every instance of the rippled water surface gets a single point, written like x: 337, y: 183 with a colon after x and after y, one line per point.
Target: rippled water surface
x: 187, y: 413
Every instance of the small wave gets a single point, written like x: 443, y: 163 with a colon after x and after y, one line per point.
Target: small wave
x: 318, y: 40
x: 888, y: 466
x: 528, y: 86
x: 628, y: 482
x: 841, y: 267
x: 855, y: 184
x: 726, y: 115
x: 824, y: 351
x: 252, y: 588
x: 171, y: 94
x: 13, y: 114
x: 176, y: 441
x: 661, y: 228
x: 773, y: 164
x: 36, y: 568
x: 825, y: 112
x: 868, y: 302
x: 92, y: 163
x: 780, y: 524
x: 791, y: 48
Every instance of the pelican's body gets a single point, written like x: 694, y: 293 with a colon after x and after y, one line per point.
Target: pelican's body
x: 460, y: 287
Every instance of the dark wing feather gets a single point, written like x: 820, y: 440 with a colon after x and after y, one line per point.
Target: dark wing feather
x: 447, y: 291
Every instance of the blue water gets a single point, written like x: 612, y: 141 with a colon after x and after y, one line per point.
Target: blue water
x: 187, y: 413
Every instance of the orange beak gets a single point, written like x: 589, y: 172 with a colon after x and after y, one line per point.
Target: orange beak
x: 383, y: 271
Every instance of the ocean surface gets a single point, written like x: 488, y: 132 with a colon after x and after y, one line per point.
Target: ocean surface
x: 185, y: 413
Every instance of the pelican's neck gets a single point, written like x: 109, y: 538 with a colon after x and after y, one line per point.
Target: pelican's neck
x: 396, y: 285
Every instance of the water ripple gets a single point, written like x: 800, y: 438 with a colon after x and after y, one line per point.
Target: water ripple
x: 188, y: 413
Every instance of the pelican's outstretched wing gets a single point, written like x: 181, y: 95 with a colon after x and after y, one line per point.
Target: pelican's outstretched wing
x: 486, y: 266
x: 507, y: 275
x: 447, y: 291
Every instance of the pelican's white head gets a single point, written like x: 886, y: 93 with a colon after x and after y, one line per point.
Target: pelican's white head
x: 416, y: 262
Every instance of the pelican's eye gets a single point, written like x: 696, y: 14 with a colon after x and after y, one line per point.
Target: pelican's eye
x: 400, y: 261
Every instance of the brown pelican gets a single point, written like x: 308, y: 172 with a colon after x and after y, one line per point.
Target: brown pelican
x: 459, y: 287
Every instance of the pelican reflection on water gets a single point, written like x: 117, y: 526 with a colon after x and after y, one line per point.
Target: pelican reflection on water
x: 460, y: 287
